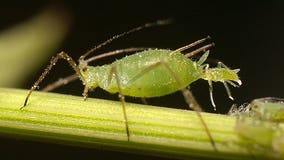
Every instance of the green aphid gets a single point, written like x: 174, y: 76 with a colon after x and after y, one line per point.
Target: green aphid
x: 260, y: 125
x: 269, y: 108
x: 147, y: 73
x: 260, y: 137
x: 265, y: 109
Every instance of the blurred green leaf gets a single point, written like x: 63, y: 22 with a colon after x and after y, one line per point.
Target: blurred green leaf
x: 26, y: 46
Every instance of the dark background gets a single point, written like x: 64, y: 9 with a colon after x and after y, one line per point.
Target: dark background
x: 248, y: 35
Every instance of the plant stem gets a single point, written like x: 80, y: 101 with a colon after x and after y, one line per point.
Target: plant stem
x: 95, y: 123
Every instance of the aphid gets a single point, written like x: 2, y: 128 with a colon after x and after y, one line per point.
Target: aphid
x: 148, y: 73
x: 260, y: 137
x: 265, y: 109
x: 258, y: 125
x: 268, y: 109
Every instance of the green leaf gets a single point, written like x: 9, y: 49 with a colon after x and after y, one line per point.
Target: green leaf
x: 27, y: 46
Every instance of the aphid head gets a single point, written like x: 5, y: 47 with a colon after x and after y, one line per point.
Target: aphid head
x: 227, y: 74
x: 221, y: 74
x: 89, y: 76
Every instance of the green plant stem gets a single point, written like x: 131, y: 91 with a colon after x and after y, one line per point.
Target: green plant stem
x: 156, y: 131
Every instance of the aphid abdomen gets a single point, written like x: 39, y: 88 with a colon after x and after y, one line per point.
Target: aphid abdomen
x: 142, y: 74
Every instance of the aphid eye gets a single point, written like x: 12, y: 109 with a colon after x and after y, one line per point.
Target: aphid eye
x: 255, y: 106
x: 84, y: 69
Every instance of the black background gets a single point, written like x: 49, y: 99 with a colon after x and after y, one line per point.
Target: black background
x: 248, y: 35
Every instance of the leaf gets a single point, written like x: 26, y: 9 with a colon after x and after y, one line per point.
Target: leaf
x: 25, y: 47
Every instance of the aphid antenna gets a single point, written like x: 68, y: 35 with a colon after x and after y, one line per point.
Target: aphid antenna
x: 147, y: 25
x: 201, y: 49
x: 117, y: 52
x: 192, y: 44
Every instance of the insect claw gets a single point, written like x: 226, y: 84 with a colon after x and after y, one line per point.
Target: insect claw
x: 85, y: 96
x: 214, y: 107
x: 25, y: 103
x: 239, y: 82
x: 232, y: 98
x: 23, y: 107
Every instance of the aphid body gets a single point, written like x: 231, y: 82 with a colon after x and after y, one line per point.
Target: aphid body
x: 259, y: 126
x: 145, y: 74
x: 260, y: 136
x: 268, y: 109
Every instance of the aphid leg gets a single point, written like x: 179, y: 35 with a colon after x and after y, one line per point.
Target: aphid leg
x: 206, y: 67
x: 53, y: 61
x: 210, y: 88
x: 228, y: 90
x: 189, y: 98
x: 60, y: 82
x: 193, y: 104
x: 113, y: 71
x: 85, y: 93
x: 144, y: 101
x: 211, y: 94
